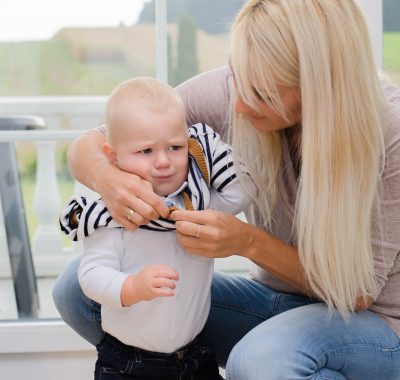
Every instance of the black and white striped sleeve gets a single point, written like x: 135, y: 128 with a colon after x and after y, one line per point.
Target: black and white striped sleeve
x: 226, y: 192
x: 218, y: 156
x: 82, y: 216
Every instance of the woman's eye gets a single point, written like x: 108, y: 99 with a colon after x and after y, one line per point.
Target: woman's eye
x: 259, y: 97
x: 146, y: 151
x: 174, y: 147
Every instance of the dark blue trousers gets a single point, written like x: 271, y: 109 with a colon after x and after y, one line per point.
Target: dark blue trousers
x: 117, y: 361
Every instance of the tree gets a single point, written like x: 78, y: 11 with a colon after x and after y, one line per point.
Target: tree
x: 187, y: 61
x: 212, y: 16
x: 391, y: 16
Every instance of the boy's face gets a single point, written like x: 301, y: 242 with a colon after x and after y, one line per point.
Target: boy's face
x: 153, y: 145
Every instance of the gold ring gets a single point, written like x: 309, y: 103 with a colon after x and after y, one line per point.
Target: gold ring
x: 130, y: 214
x: 198, y: 231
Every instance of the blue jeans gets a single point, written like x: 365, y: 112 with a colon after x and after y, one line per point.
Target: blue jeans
x: 260, y: 334
x: 117, y: 361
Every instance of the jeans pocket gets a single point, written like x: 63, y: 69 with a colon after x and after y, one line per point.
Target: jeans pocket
x: 105, y: 372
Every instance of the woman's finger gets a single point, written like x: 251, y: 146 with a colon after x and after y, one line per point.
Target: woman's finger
x: 150, y: 205
x: 128, y: 190
x: 197, y: 217
x: 135, y: 217
x: 191, y: 229
x: 195, y: 245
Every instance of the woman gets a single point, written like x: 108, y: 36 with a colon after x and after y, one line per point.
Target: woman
x: 321, y: 139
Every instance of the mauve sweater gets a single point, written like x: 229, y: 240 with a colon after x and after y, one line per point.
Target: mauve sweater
x: 207, y: 99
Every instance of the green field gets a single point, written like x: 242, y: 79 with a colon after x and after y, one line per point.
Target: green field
x: 49, y: 68
x: 391, y: 55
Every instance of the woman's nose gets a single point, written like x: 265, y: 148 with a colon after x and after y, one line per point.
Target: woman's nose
x: 241, y: 106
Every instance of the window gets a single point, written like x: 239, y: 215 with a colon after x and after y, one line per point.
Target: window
x: 391, y: 39
x: 62, y: 65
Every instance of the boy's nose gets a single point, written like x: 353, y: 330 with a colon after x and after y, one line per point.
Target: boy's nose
x: 162, y: 160
x: 241, y: 106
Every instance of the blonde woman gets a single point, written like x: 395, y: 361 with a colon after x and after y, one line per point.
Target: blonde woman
x: 320, y: 135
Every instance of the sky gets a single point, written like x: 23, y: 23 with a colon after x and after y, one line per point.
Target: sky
x: 41, y: 19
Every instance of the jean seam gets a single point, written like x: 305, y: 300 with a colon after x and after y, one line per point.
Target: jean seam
x: 276, y: 303
x: 129, y: 367
x: 92, y: 314
x: 369, y: 346
x: 244, y: 311
x: 323, y: 356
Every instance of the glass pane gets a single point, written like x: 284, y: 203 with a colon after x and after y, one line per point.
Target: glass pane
x: 72, y: 47
x: 197, y: 35
x: 59, y: 60
x: 56, y: 58
x: 391, y: 38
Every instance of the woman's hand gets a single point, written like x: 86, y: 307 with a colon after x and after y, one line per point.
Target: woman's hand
x: 211, y: 233
x: 122, y: 192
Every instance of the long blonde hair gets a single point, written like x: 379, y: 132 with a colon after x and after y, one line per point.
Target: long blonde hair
x: 322, y: 48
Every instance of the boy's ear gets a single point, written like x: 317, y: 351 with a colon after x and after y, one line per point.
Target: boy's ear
x: 109, y: 152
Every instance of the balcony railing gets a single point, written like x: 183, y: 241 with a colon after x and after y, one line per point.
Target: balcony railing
x: 77, y: 114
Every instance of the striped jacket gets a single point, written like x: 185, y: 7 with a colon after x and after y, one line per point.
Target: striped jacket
x: 210, y: 169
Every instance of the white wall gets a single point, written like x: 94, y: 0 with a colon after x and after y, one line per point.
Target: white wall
x: 44, y: 350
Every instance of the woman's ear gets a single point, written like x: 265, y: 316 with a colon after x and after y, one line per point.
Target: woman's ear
x: 109, y: 152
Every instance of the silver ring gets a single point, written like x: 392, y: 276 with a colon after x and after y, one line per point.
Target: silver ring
x: 130, y: 214
x: 198, y: 231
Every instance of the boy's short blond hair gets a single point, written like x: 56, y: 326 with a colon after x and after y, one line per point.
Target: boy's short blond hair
x: 148, y: 92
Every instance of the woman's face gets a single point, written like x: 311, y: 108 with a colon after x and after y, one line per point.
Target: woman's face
x: 267, y: 119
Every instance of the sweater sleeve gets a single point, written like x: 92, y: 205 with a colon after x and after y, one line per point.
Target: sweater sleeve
x: 99, y: 272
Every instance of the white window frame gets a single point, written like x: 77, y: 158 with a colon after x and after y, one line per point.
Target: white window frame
x: 161, y: 40
x: 373, y: 10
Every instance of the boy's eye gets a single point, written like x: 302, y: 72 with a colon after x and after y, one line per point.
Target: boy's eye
x: 174, y: 147
x: 146, y: 151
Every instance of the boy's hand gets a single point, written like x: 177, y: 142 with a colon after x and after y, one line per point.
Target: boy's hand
x: 151, y: 282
